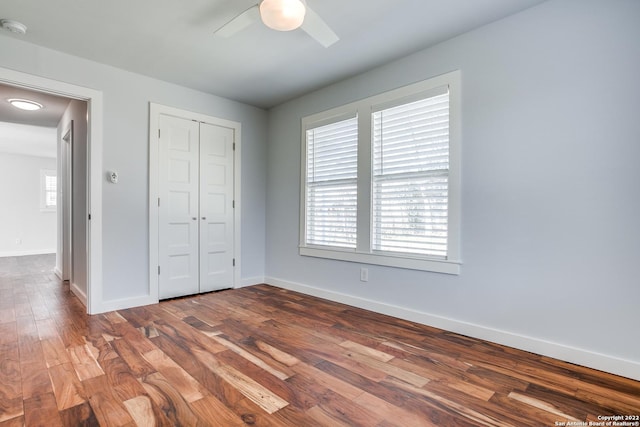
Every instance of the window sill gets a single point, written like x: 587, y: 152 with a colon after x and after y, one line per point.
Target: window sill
x: 432, y: 265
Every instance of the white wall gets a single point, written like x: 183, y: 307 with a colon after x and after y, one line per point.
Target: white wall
x: 126, y: 98
x: 551, y: 203
x: 20, y: 214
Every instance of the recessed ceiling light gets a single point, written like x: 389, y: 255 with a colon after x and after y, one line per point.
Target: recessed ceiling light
x: 25, y: 104
x: 13, y: 26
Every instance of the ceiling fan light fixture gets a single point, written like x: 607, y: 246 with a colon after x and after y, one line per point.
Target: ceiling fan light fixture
x: 282, y: 15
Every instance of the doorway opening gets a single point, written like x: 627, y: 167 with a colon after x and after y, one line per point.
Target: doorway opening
x: 78, y: 147
x: 43, y: 165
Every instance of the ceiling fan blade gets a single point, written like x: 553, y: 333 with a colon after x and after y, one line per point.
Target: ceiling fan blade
x: 239, y: 23
x: 318, y: 29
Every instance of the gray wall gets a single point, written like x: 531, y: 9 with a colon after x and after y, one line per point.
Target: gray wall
x: 20, y: 214
x: 126, y: 98
x: 550, y: 201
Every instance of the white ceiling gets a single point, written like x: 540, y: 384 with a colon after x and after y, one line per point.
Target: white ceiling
x: 173, y: 40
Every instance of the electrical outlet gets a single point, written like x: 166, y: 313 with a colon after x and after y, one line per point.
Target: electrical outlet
x: 364, y: 274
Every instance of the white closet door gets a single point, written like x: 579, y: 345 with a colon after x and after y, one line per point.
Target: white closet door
x: 216, y: 207
x: 178, y: 210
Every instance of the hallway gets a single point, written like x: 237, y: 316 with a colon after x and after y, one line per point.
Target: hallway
x: 38, y: 316
x: 28, y: 286
x: 27, y: 265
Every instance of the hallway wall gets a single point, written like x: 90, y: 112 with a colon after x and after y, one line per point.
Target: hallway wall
x: 25, y: 229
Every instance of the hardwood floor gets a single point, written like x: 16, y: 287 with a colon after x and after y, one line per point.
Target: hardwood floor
x: 268, y: 357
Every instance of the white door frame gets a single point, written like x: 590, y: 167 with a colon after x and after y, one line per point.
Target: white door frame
x: 67, y: 201
x: 155, y: 110
x: 94, y: 148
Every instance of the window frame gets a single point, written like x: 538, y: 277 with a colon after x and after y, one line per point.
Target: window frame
x: 364, y: 110
x: 44, y: 173
x: 334, y: 119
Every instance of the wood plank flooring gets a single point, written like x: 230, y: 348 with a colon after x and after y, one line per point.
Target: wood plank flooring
x: 264, y: 356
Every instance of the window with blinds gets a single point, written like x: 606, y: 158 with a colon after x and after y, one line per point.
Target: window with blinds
x: 48, y: 190
x: 381, y: 179
x: 410, y: 177
x: 331, y: 182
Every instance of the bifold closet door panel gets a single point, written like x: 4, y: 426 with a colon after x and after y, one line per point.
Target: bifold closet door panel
x: 179, y: 207
x: 216, y: 207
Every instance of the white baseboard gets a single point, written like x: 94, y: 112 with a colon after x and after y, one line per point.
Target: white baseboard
x: 26, y: 253
x: 122, y: 304
x: 602, y: 362
x: 57, y: 272
x: 250, y: 281
x: 82, y: 296
x: 125, y: 303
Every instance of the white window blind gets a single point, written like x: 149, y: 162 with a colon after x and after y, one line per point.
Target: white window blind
x: 331, y: 184
x: 410, y: 177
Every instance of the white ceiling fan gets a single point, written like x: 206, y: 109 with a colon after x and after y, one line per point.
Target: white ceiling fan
x: 282, y: 15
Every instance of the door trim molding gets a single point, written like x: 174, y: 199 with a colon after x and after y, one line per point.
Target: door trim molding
x: 155, y: 110
x: 94, y: 163
x: 66, y: 213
